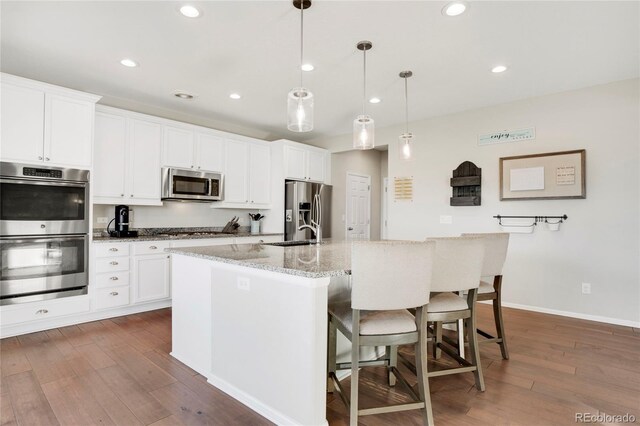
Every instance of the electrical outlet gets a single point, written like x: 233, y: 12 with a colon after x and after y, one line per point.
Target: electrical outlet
x: 244, y: 284
x: 586, y: 288
x: 103, y: 219
x: 446, y: 220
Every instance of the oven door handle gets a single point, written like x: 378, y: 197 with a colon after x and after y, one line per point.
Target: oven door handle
x: 40, y: 239
x: 44, y: 182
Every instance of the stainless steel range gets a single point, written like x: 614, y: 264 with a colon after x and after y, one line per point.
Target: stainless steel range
x: 44, y: 232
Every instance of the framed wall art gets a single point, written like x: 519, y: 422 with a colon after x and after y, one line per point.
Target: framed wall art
x: 548, y: 176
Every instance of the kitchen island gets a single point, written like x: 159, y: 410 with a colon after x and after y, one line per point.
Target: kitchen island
x: 252, y: 318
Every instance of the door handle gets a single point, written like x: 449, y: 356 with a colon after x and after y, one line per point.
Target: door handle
x: 153, y: 247
x: 114, y: 293
x: 113, y: 263
x: 42, y: 311
x: 350, y: 229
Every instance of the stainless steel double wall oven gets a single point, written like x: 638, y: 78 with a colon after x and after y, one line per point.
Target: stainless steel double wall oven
x: 44, y: 232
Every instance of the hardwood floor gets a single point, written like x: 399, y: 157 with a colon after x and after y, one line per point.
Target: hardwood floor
x: 119, y: 372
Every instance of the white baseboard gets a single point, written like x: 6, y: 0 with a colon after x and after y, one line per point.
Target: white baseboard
x: 258, y: 406
x: 577, y: 315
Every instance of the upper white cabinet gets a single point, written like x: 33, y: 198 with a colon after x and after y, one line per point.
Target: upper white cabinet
x: 247, y: 178
x: 46, y: 124
x: 187, y: 148
x: 304, y: 163
x: 127, y: 159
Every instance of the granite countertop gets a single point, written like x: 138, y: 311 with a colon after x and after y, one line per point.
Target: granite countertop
x: 330, y: 259
x: 161, y: 234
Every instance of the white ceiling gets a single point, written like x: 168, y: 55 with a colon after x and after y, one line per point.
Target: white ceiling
x: 252, y: 47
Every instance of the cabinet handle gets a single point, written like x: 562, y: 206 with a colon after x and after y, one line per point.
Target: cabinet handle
x: 192, y: 166
x: 46, y: 158
x: 114, y: 278
x: 113, y: 249
x: 122, y: 195
x: 42, y: 311
x: 153, y: 247
x: 198, y: 167
x: 39, y: 158
x: 168, y: 257
x: 114, y: 293
x: 261, y: 241
x: 131, y: 195
x: 113, y: 262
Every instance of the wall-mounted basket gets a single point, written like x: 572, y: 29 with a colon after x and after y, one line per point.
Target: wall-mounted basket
x: 466, y: 182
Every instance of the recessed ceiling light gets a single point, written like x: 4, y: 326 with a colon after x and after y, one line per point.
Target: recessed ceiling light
x: 129, y: 63
x: 375, y: 100
x: 307, y: 67
x: 183, y: 95
x: 235, y: 96
x: 189, y: 11
x: 498, y: 69
x: 454, y: 8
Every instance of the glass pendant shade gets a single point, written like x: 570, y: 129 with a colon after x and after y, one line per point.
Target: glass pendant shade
x: 405, y: 145
x: 300, y: 110
x: 363, y: 132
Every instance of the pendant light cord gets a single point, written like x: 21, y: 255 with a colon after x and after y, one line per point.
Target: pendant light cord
x: 406, y: 106
x: 364, y: 83
x: 301, y: 39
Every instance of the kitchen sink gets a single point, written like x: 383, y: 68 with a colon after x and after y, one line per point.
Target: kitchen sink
x: 291, y: 243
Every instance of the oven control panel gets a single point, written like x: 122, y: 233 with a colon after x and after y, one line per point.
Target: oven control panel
x: 48, y: 173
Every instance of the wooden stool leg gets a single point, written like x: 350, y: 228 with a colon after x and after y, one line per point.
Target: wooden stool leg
x: 331, y: 355
x: 461, y: 338
x: 474, y: 351
x: 392, y: 354
x: 497, y: 315
x: 421, y: 368
x: 437, y: 339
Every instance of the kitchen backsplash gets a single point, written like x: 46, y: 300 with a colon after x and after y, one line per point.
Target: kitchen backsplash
x: 174, y: 215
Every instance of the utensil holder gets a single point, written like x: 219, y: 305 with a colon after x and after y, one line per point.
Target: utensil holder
x: 255, y: 226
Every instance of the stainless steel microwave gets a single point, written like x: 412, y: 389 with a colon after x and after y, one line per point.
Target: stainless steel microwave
x: 190, y: 185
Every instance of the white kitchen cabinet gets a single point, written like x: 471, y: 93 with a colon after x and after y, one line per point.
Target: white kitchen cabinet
x: 236, y: 172
x: 152, y: 277
x: 209, y: 152
x: 247, y: 175
x: 178, y: 148
x: 68, y: 130
x: 110, y: 164
x: 127, y: 159
x: 144, y: 161
x: 22, y: 123
x: 303, y: 163
x: 46, y: 124
x: 197, y: 149
x: 259, y: 174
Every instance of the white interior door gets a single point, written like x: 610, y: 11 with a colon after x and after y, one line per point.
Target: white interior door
x: 358, y: 211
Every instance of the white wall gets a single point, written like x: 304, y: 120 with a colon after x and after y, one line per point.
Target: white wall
x: 175, y: 214
x: 599, y: 243
x: 363, y: 162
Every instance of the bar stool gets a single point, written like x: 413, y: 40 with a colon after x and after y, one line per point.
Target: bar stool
x: 457, y: 268
x: 387, y: 278
x: 496, y: 245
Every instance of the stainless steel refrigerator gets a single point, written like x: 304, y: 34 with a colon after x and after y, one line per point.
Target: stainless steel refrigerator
x: 305, y: 202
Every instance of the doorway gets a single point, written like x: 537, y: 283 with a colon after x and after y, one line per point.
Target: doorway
x: 358, y: 208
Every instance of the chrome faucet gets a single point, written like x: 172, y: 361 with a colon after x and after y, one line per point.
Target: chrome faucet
x: 316, y: 218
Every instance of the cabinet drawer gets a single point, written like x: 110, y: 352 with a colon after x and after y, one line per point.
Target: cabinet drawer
x: 44, y: 310
x: 111, y: 249
x: 150, y: 247
x: 112, y: 279
x: 112, y: 297
x: 112, y: 264
x: 259, y: 239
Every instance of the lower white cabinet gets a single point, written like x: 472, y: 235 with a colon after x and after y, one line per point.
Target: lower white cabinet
x: 112, y: 297
x: 151, y: 277
x: 43, y: 311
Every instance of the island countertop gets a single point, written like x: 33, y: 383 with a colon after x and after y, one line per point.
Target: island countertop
x: 329, y: 259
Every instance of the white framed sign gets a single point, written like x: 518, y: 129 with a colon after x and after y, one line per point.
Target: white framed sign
x: 506, y: 136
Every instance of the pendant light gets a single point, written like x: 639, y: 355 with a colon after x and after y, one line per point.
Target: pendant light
x: 300, y: 100
x: 363, y: 125
x: 406, y: 139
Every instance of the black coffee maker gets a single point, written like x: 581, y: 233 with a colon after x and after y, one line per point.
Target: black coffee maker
x: 122, y: 224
